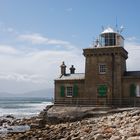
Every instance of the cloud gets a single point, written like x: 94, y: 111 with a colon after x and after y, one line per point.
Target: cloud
x: 35, y: 66
x: 6, y: 49
x: 69, y: 9
x: 39, y: 39
x: 6, y: 29
x: 133, y: 49
x: 132, y: 38
x: 33, y: 38
x: 21, y: 77
x: 32, y: 61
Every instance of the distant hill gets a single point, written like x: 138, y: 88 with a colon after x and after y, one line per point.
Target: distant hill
x: 46, y: 93
x: 39, y: 93
x: 5, y: 94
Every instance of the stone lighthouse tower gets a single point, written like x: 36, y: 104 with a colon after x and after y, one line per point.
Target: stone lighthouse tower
x: 104, y: 67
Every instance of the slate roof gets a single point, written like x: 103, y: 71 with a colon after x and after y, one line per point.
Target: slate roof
x: 76, y: 76
x: 132, y: 73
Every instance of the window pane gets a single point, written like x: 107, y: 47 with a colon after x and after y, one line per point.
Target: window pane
x: 69, y: 91
x: 102, y: 68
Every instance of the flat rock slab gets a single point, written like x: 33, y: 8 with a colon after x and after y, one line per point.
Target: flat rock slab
x: 58, y: 114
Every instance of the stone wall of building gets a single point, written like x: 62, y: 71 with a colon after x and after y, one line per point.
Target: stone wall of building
x: 114, y: 59
x: 131, y: 90
x: 59, y: 99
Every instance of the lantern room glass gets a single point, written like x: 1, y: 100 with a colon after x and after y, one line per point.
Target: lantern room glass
x: 108, y: 39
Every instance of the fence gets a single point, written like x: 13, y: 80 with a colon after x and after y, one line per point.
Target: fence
x: 119, y: 102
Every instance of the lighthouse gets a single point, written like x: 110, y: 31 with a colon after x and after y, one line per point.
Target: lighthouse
x: 106, y: 81
x: 105, y: 66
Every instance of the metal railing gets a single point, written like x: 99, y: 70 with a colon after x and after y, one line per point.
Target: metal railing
x: 119, y: 102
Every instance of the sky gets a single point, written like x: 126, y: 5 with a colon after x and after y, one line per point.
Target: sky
x: 37, y: 35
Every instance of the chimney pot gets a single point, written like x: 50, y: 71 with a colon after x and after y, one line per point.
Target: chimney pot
x: 72, y: 69
x: 63, y: 68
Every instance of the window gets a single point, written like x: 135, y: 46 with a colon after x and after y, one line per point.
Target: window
x: 102, y: 90
x: 102, y: 68
x: 69, y: 91
x: 137, y: 91
x: 132, y: 90
x: 108, y: 39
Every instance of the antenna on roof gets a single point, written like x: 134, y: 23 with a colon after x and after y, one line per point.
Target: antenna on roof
x: 103, y: 28
x: 117, y: 25
x: 93, y: 43
x: 96, y: 43
x: 121, y: 28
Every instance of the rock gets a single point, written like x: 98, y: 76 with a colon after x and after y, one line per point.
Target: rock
x: 91, y: 138
x: 115, y: 138
x: 136, y: 112
x: 10, y: 116
x: 41, y: 123
x: 99, y: 137
x: 134, y: 138
x: 34, y: 125
x: 76, y: 138
x: 41, y: 139
x: 108, y: 130
x: 136, y: 117
x: 117, y: 126
x: 67, y: 138
x: 76, y: 134
x: 87, y: 130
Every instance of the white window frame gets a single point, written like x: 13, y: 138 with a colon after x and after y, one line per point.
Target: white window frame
x: 137, y: 90
x: 102, y: 68
x: 69, y: 91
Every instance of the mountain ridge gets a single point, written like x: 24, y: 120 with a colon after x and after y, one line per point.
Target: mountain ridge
x: 46, y: 93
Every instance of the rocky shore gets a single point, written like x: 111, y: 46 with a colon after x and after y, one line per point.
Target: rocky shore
x: 77, y: 123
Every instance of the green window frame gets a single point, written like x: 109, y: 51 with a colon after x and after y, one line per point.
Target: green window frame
x: 75, y: 90
x: 132, y: 90
x: 102, y: 90
x: 62, y: 91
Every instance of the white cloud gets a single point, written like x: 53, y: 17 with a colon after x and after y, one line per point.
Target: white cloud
x: 5, y: 49
x: 132, y: 38
x: 33, y: 38
x: 133, y: 49
x: 22, y: 77
x: 25, y: 67
x: 39, y: 67
x: 39, y: 39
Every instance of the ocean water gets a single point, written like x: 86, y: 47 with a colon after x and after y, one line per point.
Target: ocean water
x: 22, y: 107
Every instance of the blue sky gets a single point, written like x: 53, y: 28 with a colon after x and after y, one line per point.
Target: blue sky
x: 37, y: 35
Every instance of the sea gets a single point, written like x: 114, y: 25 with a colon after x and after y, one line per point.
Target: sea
x: 22, y: 107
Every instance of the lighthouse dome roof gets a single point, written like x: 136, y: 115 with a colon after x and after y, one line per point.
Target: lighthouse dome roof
x: 109, y: 30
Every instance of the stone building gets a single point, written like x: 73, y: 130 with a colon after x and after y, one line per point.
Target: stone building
x: 106, y: 82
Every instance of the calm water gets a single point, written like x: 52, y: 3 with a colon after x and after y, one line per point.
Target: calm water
x: 22, y: 107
